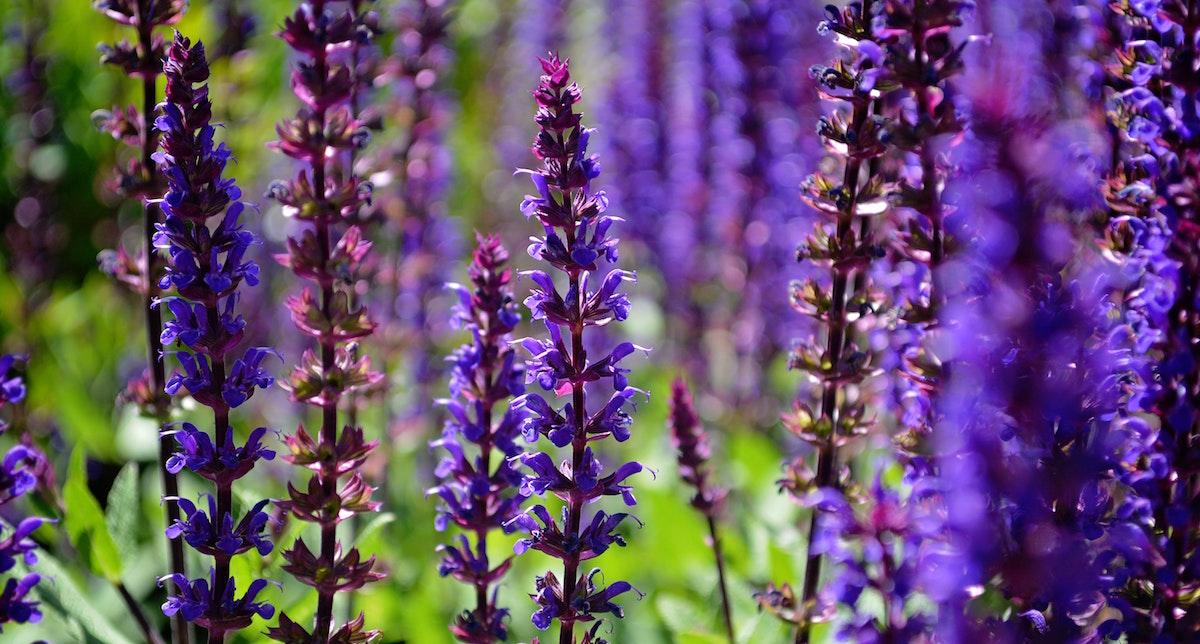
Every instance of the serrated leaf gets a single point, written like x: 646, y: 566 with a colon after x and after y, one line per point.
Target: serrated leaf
x: 59, y: 591
x: 121, y: 518
x: 85, y: 523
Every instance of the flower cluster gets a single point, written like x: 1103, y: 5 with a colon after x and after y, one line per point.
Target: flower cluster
x: 207, y: 246
x: 576, y: 237
x: 480, y: 490
x: 1149, y: 237
x: 843, y: 248
x: 1029, y: 444
x: 921, y: 58
x: 17, y: 477
x: 325, y: 195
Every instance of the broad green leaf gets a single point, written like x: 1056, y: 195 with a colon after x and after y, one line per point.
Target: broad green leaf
x: 122, y: 516
x: 59, y: 591
x: 85, y: 523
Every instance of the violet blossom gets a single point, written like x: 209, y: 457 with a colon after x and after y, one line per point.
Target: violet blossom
x: 17, y: 477
x: 479, y: 488
x: 207, y: 247
x: 576, y: 237
x: 841, y: 247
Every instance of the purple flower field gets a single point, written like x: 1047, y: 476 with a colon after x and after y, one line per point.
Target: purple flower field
x: 624, y: 321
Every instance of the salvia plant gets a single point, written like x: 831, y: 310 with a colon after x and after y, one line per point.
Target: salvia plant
x: 203, y: 236
x: 692, y: 452
x: 413, y: 206
x: 994, y: 435
x: 576, y: 236
x: 134, y: 126
x: 481, y: 490
x: 843, y: 248
x: 324, y: 196
x: 1150, y: 235
x: 17, y: 478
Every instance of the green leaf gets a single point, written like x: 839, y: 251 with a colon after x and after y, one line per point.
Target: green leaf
x: 59, y: 591
x: 85, y: 523
x: 122, y: 516
x: 374, y: 526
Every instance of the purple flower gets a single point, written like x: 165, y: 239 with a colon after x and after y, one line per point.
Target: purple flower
x: 839, y: 294
x: 206, y: 266
x: 18, y: 476
x: 577, y: 230
x: 481, y: 492
x: 15, y: 606
x: 199, y: 604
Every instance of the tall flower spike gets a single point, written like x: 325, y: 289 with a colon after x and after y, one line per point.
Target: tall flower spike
x: 1029, y: 440
x: 411, y: 201
x: 134, y: 126
x: 842, y: 247
x: 576, y: 236
x: 17, y: 477
x: 327, y: 197
x: 479, y: 488
x: 692, y: 453
x: 922, y: 58
x: 874, y: 537
x: 1151, y: 236
x: 207, y: 247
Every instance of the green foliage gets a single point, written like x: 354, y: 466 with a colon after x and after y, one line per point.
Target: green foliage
x: 86, y: 524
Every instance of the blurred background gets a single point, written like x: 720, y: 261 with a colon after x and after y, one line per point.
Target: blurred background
x: 705, y: 117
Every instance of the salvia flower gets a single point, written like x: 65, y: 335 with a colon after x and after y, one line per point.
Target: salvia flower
x: 17, y: 477
x: 326, y: 196
x: 207, y: 247
x: 481, y: 490
x: 573, y: 219
x: 1150, y: 237
x: 1028, y: 447
x: 842, y: 248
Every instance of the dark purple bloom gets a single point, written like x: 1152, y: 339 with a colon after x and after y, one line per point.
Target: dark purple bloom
x: 15, y: 606
x: 576, y: 229
x: 17, y: 477
x: 198, y: 604
x: 206, y: 266
x: 481, y: 491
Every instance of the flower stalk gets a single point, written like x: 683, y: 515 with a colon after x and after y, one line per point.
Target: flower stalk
x: 207, y: 266
x: 576, y: 238
x: 325, y: 195
x: 692, y: 453
x: 843, y: 251
x: 480, y: 491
